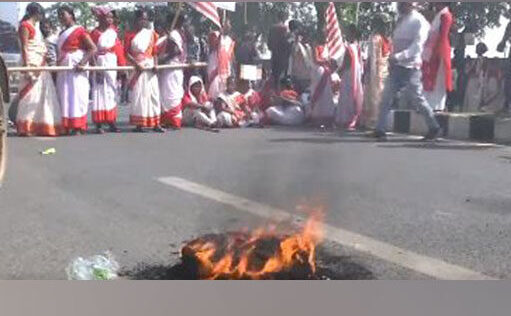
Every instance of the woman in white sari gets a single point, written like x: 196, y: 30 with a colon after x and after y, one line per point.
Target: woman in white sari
x: 436, y: 69
x: 38, y: 109
x: 198, y: 110
x: 141, y: 51
x: 75, y: 48
x: 172, y: 50
x: 352, y: 92
x: 220, y: 60
x: 104, y: 84
x: 286, y: 108
x: 322, y: 104
x: 379, y: 52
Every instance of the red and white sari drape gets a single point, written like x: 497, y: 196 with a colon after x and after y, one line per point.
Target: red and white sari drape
x: 219, y: 63
x: 72, y: 86
x: 172, y: 81
x: 322, y: 105
x: 254, y: 103
x: 437, y: 72
x: 235, y: 117
x: 104, y: 84
x: 379, y: 52
x: 144, y: 89
x: 194, y: 116
x: 38, y: 109
x: 286, y: 114
x: 352, y: 91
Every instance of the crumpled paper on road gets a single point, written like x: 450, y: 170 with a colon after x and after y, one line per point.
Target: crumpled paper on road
x: 96, y: 268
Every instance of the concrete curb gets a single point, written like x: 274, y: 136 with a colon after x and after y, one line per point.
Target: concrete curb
x: 503, y: 131
x: 481, y: 127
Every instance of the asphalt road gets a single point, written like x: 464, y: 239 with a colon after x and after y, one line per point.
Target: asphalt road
x: 448, y: 202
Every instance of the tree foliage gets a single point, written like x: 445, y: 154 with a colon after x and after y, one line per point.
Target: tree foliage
x: 472, y: 17
x: 347, y: 14
x: 82, y: 11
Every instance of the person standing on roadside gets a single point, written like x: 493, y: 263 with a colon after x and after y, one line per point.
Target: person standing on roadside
x: 437, y: 72
x: 501, y: 47
x: 279, y: 43
x: 405, y: 69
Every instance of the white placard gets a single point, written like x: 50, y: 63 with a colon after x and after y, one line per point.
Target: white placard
x: 250, y: 72
x: 229, y: 6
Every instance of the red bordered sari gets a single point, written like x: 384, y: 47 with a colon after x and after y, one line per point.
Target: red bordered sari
x: 38, y: 108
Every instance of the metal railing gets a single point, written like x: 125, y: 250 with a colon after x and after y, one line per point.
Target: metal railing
x: 101, y: 68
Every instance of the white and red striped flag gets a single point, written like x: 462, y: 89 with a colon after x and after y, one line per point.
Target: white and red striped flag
x: 209, y: 10
x: 334, y: 38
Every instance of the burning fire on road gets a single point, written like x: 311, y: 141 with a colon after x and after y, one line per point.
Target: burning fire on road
x: 262, y: 254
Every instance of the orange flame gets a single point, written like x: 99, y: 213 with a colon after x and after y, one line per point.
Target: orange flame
x: 256, y: 255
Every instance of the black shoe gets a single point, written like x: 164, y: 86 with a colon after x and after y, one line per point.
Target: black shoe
x: 378, y: 135
x: 159, y: 129
x: 100, y: 131
x: 114, y: 129
x: 138, y: 129
x: 433, y: 134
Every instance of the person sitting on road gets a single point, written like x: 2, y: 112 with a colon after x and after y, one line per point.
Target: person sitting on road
x: 252, y: 105
x: 229, y: 106
x: 198, y: 110
x: 324, y: 88
x: 286, y: 108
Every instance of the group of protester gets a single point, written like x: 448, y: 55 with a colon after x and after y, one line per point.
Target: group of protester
x: 306, y: 84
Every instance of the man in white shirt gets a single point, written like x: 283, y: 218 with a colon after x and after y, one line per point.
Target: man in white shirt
x: 409, y: 38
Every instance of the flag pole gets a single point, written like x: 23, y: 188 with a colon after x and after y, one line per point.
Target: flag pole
x: 176, y: 16
x: 357, y: 13
x: 246, y: 13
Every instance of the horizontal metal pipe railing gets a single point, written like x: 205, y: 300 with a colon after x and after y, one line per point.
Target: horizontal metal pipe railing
x: 100, y: 68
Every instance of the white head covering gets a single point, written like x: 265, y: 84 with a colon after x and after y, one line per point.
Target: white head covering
x: 193, y: 80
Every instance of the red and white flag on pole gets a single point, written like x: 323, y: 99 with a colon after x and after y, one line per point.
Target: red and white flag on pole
x: 209, y: 10
x: 334, y: 38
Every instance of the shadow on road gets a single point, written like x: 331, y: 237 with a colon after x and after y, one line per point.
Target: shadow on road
x: 391, y: 143
x: 500, y: 205
x: 329, y: 267
x: 338, y: 140
x: 440, y: 146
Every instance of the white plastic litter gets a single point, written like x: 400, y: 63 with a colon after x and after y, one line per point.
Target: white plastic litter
x: 49, y: 151
x: 97, y: 268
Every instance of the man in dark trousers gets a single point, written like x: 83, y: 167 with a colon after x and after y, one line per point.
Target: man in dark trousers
x: 410, y: 34
x: 460, y: 63
x: 501, y: 47
x: 279, y: 43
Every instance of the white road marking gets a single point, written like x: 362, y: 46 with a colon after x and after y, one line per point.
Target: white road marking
x: 45, y: 138
x: 428, y: 266
x: 443, y: 216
